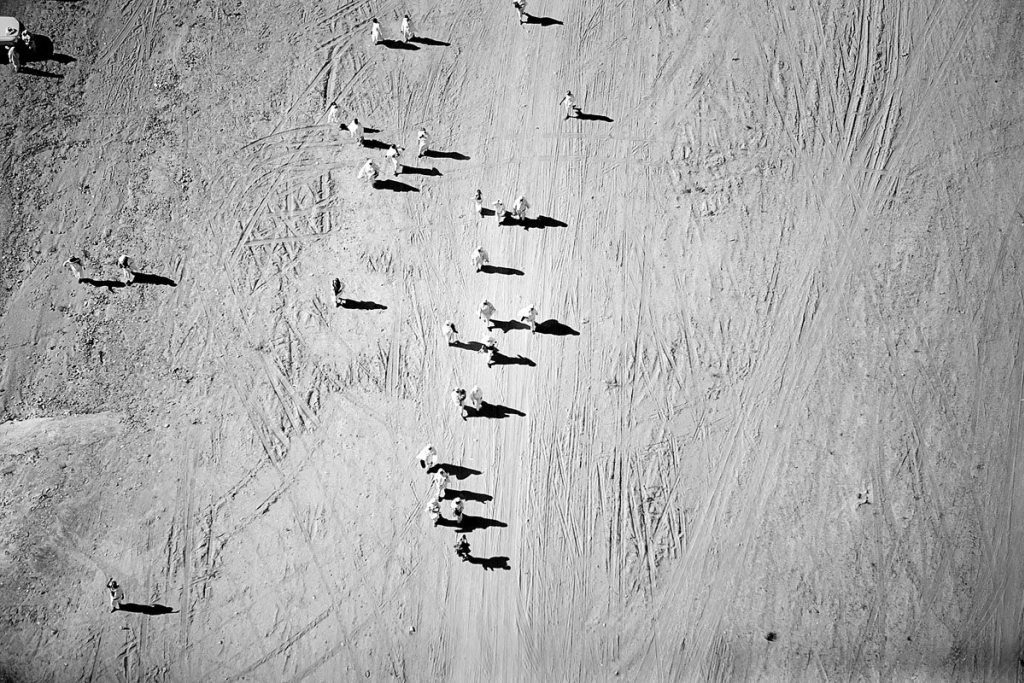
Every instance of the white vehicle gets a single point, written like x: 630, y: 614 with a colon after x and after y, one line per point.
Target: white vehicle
x: 15, y: 40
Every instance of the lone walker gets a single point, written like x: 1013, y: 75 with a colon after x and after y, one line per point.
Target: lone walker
x: 499, y: 211
x: 479, y: 258
x: 116, y: 595
x: 478, y: 200
x: 375, y: 34
x: 332, y: 114
x: 407, y: 33
x: 571, y: 110
x: 520, y: 6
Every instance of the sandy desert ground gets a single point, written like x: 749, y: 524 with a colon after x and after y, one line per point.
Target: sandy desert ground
x: 768, y: 428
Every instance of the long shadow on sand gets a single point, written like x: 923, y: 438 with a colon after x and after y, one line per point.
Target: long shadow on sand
x: 490, y: 563
x: 520, y: 359
x: 452, y: 494
x: 418, y: 170
x: 468, y: 346
x: 457, y: 471
x: 538, y: 223
x: 356, y: 305
x: 151, y: 610
x: 435, y: 154
x: 542, y: 21
x: 555, y: 328
x: 593, y: 117
x: 394, y: 186
x: 429, y: 41
x: 494, y: 412
x: 152, y: 279
x: 501, y: 270
x: 397, y: 45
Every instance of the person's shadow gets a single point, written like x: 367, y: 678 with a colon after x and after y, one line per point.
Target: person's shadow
x: 519, y: 359
x: 457, y: 471
x: 436, y: 154
x: 429, y: 41
x: 356, y: 305
x: 507, y: 325
x: 150, y: 610
x: 452, y: 494
x: 394, y: 186
x: 397, y: 44
x: 152, y: 279
x: 538, y: 223
x: 490, y: 563
x: 492, y: 411
x: 418, y: 170
x: 472, y: 522
x: 582, y: 116
x: 542, y: 21
x: 501, y: 270
x: 109, y: 284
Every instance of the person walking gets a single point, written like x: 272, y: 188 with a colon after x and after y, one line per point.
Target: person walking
x: 423, y: 140
x: 375, y: 33
x: 451, y: 334
x: 520, y: 6
x: 332, y: 114
x: 478, y: 200
x: 479, y: 258
x: 394, y: 151
x: 407, y: 33
x: 528, y: 315
x: 571, y: 110
x: 77, y: 269
x: 487, y: 310
x: 127, y: 276
x: 476, y: 398
x: 462, y: 549
x: 489, y: 345
x: 499, y: 211
x: 355, y: 129
x: 427, y: 456
x: 520, y: 207
x: 116, y: 595
x: 457, y: 507
x: 459, y: 399
x: 339, y: 288
x: 434, y: 511
x: 441, y: 483
x: 369, y: 171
